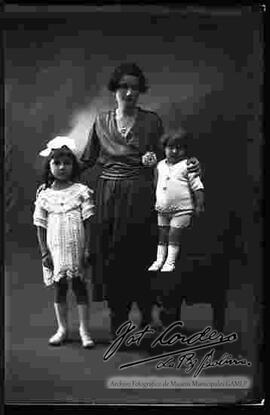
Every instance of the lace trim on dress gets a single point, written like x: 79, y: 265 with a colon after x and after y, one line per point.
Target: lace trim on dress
x: 68, y: 273
x: 49, y: 278
x: 62, y: 202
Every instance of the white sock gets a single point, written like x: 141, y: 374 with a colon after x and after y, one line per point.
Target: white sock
x: 161, y: 253
x: 61, y: 316
x: 173, y: 251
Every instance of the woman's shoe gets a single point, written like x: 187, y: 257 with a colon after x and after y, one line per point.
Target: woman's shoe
x: 87, y: 342
x: 168, y: 267
x: 157, y: 326
x: 156, y: 266
x: 58, y: 338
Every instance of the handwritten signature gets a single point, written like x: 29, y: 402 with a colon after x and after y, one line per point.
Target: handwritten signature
x: 190, y: 361
x: 184, y: 356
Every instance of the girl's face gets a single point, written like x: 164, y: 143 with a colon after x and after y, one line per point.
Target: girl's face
x: 175, y: 152
x: 61, y: 168
x: 127, y: 93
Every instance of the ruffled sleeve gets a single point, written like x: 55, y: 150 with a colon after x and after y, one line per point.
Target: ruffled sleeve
x: 40, y: 212
x: 195, y: 181
x: 87, y: 205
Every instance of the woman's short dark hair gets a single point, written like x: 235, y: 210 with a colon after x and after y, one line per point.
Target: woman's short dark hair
x: 176, y: 137
x: 55, y: 154
x: 128, y: 68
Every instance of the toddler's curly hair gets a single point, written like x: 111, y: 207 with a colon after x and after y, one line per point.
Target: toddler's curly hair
x: 178, y: 137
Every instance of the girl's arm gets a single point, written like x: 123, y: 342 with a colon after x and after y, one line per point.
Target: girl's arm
x: 40, y: 221
x: 45, y: 253
x: 87, y: 229
x: 88, y: 212
x: 87, y: 223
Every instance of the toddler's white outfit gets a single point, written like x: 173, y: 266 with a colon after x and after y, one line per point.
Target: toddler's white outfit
x: 174, y: 189
x: 175, y: 206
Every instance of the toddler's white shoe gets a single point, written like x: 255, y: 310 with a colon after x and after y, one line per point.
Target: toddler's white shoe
x: 58, y: 338
x: 155, y: 266
x: 168, y: 267
x: 87, y: 342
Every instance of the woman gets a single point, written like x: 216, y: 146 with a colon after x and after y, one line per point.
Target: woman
x: 123, y: 141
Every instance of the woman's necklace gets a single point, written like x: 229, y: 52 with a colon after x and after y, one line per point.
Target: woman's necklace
x: 125, y: 122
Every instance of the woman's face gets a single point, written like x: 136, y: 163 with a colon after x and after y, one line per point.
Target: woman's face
x: 127, y: 93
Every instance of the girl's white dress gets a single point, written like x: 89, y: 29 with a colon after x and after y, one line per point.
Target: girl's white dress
x: 62, y: 213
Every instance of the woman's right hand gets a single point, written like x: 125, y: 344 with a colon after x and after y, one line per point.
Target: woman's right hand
x: 149, y: 159
x: 47, y: 261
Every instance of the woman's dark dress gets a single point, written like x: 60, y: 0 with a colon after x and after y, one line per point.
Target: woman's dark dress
x: 124, y: 233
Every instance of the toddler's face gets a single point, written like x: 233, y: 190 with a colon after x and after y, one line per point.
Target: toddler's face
x: 175, y: 152
x: 61, y: 168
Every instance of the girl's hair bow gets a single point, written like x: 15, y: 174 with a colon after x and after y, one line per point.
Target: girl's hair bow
x: 58, y: 142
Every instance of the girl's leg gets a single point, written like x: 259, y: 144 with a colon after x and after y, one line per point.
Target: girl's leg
x: 163, y: 233
x: 60, y: 307
x: 80, y: 291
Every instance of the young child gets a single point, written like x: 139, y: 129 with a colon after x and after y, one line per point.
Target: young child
x: 175, y: 190
x: 62, y: 215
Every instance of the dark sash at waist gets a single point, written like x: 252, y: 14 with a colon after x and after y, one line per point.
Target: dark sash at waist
x: 121, y: 171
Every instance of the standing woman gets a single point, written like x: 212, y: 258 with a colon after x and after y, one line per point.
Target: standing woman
x: 124, y: 141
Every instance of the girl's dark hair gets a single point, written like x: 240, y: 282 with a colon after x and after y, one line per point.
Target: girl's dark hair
x: 55, y: 154
x: 176, y: 137
x: 128, y: 68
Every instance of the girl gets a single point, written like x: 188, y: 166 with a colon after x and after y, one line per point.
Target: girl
x: 63, y: 210
x: 175, y: 189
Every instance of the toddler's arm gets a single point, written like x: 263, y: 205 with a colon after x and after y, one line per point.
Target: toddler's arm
x: 198, y: 191
x: 155, y: 177
x: 199, y: 201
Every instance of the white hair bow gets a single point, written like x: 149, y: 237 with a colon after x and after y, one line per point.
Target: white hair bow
x: 59, y: 142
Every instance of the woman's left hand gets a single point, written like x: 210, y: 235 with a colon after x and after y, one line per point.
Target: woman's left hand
x: 194, y: 166
x: 149, y: 159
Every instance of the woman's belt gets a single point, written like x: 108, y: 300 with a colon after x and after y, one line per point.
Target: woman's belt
x: 121, y: 172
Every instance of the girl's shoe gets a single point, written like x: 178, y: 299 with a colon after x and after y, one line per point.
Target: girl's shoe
x: 156, y: 266
x: 58, y: 338
x: 87, y: 342
x: 168, y: 267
